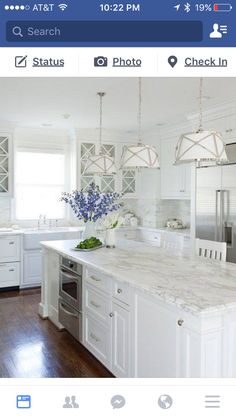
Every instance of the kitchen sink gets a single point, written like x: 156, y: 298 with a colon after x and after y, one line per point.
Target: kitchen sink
x: 33, y: 237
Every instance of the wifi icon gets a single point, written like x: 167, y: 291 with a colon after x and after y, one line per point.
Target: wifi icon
x: 63, y: 6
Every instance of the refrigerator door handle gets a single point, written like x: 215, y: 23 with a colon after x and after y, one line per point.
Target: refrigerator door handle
x: 222, y: 215
x: 217, y: 216
x: 227, y: 227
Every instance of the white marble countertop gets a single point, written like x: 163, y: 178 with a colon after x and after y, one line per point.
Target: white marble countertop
x: 192, y: 284
x: 59, y: 229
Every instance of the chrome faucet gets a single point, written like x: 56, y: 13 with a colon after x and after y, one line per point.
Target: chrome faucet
x: 40, y: 221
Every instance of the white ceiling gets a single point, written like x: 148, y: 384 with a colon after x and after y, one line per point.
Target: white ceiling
x: 36, y: 101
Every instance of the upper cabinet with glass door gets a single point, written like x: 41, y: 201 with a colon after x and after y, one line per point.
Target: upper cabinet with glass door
x: 122, y: 182
x: 5, y: 164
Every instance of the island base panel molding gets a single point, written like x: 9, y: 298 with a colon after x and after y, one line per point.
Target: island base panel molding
x: 48, y: 307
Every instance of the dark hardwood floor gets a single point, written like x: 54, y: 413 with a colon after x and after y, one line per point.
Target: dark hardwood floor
x: 33, y: 347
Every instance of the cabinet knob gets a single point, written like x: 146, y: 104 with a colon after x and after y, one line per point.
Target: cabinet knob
x: 111, y: 314
x: 119, y: 290
x: 180, y: 322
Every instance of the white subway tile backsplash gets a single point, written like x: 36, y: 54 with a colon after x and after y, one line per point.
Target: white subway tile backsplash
x: 154, y: 213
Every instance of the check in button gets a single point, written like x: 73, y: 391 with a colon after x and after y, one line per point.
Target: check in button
x: 21, y: 61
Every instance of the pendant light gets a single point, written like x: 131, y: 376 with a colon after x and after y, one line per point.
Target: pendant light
x: 101, y: 163
x: 139, y: 155
x: 201, y: 146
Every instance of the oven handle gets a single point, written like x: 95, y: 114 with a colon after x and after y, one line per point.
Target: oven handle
x: 62, y: 306
x: 69, y: 276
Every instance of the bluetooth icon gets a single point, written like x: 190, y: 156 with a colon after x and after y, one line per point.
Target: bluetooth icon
x: 187, y: 7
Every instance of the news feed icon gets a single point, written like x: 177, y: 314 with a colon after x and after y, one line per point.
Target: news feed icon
x: 100, y: 61
x: 23, y: 401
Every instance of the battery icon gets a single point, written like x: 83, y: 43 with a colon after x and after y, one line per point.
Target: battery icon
x: 222, y: 7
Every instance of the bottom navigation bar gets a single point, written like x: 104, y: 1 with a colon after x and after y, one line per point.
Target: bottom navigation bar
x: 114, y: 397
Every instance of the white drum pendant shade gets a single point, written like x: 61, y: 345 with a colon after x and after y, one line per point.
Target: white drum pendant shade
x: 200, y: 146
x: 139, y: 156
x: 100, y: 164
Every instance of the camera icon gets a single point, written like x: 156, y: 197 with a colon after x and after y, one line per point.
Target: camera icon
x: 100, y: 61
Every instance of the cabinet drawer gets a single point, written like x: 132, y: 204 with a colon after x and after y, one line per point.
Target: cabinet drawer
x: 9, y: 274
x: 121, y: 291
x: 97, y: 338
x: 97, y: 304
x: 152, y: 236
x: 9, y: 248
x: 98, y: 280
x: 128, y: 234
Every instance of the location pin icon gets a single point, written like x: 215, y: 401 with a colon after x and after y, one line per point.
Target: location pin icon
x: 172, y: 60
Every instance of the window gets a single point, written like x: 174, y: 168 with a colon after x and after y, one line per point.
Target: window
x: 40, y: 179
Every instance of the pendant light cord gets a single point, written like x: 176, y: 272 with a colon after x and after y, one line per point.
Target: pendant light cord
x: 139, y: 109
x: 200, y: 104
x: 101, y: 95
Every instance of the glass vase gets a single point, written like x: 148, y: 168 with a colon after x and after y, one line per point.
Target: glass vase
x: 90, y: 229
x: 110, y: 238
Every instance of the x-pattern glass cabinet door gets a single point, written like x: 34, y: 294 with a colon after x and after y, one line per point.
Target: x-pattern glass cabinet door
x: 5, y: 164
x: 124, y: 181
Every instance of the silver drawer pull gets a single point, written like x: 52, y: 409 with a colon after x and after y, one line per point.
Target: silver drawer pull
x: 111, y: 314
x: 95, y: 279
x: 180, y: 322
x: 119, y: 290
x: 94, y: 337
x: 95, y: 304
x: 11, y: 242
x: 11, y: 269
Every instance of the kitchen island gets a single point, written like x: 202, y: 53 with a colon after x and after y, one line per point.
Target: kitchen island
x: 148, y: 312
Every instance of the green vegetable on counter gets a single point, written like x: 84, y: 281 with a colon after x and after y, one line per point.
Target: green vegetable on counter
x: 89, y: 243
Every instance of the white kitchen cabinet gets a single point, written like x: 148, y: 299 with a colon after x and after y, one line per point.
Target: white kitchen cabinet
x: 97, y: 304
x: 9, y: 248
x: 97, y: 339
x: 126, y: 233
x: 106, y: 321
x: 9, y: 274
x: 6, y: 165
x: 10, y: 252
x: 151, y: 236
x: 155, y: 338
x: 175, y: 179
x: 96, y: 315
x: 32, y: 275
x: 121, y: 361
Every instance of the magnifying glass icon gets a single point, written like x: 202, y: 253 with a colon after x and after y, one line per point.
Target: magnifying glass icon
x: 17, y: 31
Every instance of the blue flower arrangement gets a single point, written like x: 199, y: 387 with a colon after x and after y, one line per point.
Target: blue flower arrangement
x: 92, y: 204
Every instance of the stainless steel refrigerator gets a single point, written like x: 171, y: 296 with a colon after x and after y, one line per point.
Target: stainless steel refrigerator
x: 216, y: 206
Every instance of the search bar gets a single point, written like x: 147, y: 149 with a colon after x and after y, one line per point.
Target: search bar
x: 104, y: 31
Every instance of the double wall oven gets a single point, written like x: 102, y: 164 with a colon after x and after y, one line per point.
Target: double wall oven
x: 70, y: 301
